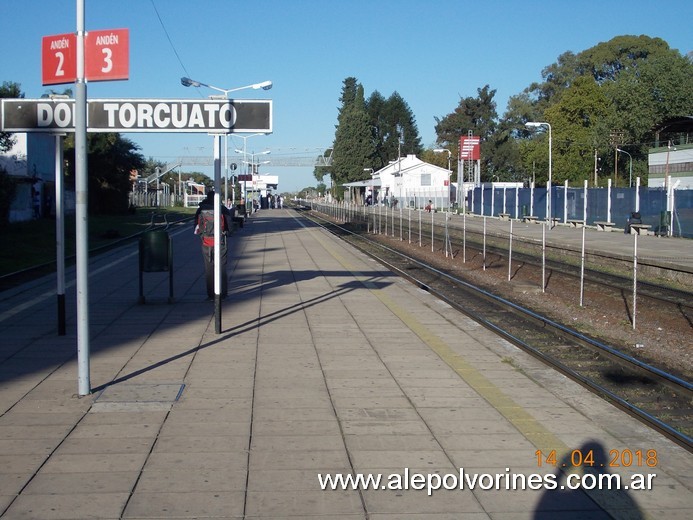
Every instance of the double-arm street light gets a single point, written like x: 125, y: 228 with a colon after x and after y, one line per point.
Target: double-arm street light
x: 245, y: 142
x: 630, y: 176
x: 537, y: 124
x: 441, y: 150
x: 264, y: 85
x: 252, y: 164
x: 187, y: 82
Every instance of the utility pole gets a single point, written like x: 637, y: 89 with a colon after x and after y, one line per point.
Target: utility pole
x: 616, y: 137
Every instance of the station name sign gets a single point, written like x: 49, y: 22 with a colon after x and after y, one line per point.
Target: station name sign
x: 139, y: 115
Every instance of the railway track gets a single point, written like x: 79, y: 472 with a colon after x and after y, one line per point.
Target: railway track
x: 659, y: 399
x: 611, y: 278
x: 10, y: 280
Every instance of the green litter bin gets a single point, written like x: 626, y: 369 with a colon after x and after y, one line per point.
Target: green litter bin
x: 156, y: 256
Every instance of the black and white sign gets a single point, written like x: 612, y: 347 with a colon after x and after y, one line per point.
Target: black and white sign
x: 139, y: 115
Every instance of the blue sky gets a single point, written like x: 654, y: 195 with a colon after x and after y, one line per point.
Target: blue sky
x: 432, y: 52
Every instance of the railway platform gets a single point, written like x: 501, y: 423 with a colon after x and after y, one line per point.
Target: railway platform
x: 327, y: 364
x: 656, y: 251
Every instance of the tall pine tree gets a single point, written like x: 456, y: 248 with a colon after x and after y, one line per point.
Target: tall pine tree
x: 394, y: 128
x: 354, y: 147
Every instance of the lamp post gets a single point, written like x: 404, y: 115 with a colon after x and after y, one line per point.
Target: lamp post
x: 264, y: 85
x: 537, y: 124
x: 371, y: 171
x: 630, y: 175
x: 187, y: 82
x: 441, y: 150
x: 245, y: 142
x: 252, y: 164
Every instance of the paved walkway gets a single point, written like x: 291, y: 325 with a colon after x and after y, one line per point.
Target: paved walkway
x: 326, y: 364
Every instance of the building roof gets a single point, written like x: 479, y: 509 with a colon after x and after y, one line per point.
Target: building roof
x: 406, y: 165
x: 362, y: 184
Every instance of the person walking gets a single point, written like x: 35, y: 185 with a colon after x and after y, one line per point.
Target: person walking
x: 204, y: 226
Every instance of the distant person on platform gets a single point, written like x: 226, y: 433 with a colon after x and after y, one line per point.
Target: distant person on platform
x: 204, y: 226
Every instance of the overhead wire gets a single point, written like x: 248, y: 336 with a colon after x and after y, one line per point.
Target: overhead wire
x: 170, y: 41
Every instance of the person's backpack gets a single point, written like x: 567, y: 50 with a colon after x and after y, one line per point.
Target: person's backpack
x: 205, y: 226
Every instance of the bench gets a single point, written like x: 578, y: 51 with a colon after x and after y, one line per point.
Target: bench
x: 576, y: 223
x: 504, y: 216
x: 640, y: 229
x: 604, y: 226
x: 530, y: 218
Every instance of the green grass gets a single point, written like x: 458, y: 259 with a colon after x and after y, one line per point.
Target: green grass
x: 33, y: 243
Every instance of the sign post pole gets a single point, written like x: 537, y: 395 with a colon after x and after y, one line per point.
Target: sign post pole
x: 81, y: 211
x: 217, y: 234
x: 60, y: 232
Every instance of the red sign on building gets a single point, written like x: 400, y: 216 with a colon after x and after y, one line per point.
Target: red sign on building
x: 470, y: 148
x: 106, y: 57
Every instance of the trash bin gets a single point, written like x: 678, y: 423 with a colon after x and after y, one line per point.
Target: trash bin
x: 155, y: 249
x: 156, y: 256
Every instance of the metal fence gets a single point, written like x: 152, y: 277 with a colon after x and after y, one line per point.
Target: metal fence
x: 668, y: 211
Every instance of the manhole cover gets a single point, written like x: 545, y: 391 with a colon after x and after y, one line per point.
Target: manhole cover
x: 145, y: 396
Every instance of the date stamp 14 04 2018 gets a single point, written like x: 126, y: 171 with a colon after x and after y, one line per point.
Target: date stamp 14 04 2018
x: 586, y: 458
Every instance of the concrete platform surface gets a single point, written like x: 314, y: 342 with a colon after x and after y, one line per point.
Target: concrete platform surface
x: 326, y: 364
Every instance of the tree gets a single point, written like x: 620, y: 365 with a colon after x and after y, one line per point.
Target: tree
x: 349, y: 92
x: 8, y: 185
x: 375, y: 106
x: 8, y: 90
x: 577, y: 121
x: 369, y: 134
x: 110, y: 158
x: 477, y: 114
x: 353, y: 148
x: 395, y: 128
x: 641, y: 80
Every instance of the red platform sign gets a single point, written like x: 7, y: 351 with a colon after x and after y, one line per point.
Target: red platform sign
x: 469, y: 148
x: 106, y: 57
x: 59, y: 59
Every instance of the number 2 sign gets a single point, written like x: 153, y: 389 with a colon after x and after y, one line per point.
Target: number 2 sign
x: 59, y: 59
x: 106, y: 56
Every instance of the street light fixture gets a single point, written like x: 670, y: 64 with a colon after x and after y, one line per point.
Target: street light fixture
x: 630, y: 176
x: 537, y: 124
x: 441, y: 150
x: 187, y: 82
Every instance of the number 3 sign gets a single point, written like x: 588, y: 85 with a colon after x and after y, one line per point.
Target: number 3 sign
x: 106, y: 56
